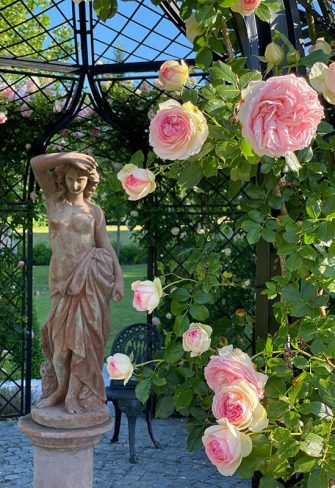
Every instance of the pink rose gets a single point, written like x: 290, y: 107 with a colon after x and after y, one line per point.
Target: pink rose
x: 58, y: 107
x: 146, y: 294
x: 3, y: 117
x: 173, y: 75
x: 239, y: 404
x: 21, y: 264
x: 155, y: 321
x: 279, y: 115
x: 78, y: 135
x: 33, y: 196
x: 119, y: 367
x: 64, y: 132
x: 225, y: 447
x: 231, y: 365
x: 177, y: 131
x: 321, y: 45
x: 25, y: 110
x: 136, y: 182
x: 196, y: 339
x: 245, y: 7
x: 94, y: 132
x: 8, y: 93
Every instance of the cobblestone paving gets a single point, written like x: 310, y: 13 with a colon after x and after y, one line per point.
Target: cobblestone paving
x: 169, y: 467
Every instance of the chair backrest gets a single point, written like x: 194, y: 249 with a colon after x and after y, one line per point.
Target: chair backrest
x: 143, y: 340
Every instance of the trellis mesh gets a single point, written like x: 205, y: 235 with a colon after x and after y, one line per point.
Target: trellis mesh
x: 68, y: 80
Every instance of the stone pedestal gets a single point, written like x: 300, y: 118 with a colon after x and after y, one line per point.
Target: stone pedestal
x: 63, y: 457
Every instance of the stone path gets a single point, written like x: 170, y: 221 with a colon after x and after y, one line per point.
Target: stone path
x: 169, y: 467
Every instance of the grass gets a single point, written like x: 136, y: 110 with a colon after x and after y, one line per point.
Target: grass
x: 122, y: 312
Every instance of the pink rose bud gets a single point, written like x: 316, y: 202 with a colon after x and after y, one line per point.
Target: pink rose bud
x: 274, y: 54
x: 78, y: 135
x: 21, y: 264
x: 225, y: 447
x: 231, y: 365
x: 3, y: 117
x: 25, y: 110
x: 245, y: 7
x: 173, y: 75
x: 321, y: 45
x: 119, y: 367
x: 177, y: 131
x: 155, y: 321
x: 238, y: 404
x: 136, y: 182
x: 196, y: 339
x: 268, y: 108
x: 146, y: 294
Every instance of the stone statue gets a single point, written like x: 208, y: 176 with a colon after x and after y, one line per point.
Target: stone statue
x: 84, y: 274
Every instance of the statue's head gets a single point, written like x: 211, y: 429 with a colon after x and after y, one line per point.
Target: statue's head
x: 74, y: 179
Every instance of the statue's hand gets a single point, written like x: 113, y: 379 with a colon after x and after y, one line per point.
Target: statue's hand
x: 81, y: 160
x: 118, y: 290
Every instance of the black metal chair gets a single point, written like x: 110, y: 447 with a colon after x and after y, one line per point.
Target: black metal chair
x: 143, y: 341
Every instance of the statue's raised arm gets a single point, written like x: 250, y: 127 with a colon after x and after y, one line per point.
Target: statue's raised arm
x: 84, y: 275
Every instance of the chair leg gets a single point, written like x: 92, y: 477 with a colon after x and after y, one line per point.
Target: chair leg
x: 117, y: 425
x: 148, y: 412
x: 131, y: 432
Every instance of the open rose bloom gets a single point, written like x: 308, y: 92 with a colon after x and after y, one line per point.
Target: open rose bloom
x: 279, y: 115
x: 3, y: 117
x: 173, y: 75
x: 245, y: 7
x: 119, y: 367
x: 238, y: 404
x: 177, y: 131
x: 231, y: 365
x: 136, y: 182
x: 225, y: 447
x: 196, y: 339
x: 146, y: 294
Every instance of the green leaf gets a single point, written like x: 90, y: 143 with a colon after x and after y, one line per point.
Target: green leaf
x: 181, y: 325
x: 325, y: 128
x: 194, y: 440
x: 250, y: 76
x: 227, y: 3
x: 201, y: 297
x: 318, y: 409
x: 190, y: 96
x: 105, y: 9
x: 275, y: 387
x: 325, y: 393
x: 326, y: 231
x: 313, y: 208
x: 268, y: 234
x: 204, y: 58
x: 137, y: 158
x: 181, y: 295
x: 164, y: 408
x: 199, y: 312
x: 294, y: 262
x: 223, y: 72
x: 318, y: 478
x: 190, y: 175
x: 312, y: 445
x: 315, y: 57
x: 173, y: 352
x: 269, y: 482
x: 276, y: 409
x: 305, y: 464
x: 183, y: 397
x: 227, y: 92
x: 263, y: 12
x: 143, y: 389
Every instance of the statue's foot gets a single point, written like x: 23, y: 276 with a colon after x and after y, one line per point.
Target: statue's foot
x: 53, y: 399
x: 72, y: 405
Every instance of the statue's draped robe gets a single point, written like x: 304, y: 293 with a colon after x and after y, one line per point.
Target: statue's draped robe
x: 79, y: 320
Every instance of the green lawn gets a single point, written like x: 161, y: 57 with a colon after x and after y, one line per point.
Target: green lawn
x: 122, y: 312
